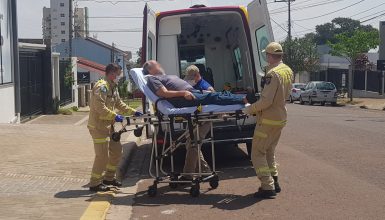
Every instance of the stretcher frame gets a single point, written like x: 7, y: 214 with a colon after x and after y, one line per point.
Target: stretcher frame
x: 189, y: 124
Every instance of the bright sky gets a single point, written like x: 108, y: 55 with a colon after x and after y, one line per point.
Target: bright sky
x: 306, y: 14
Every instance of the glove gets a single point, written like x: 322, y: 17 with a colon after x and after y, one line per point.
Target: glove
x: 119, y: 118
x: 138, y: 114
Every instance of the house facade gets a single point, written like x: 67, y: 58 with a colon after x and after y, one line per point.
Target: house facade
x: 96, y: 51
x: 9, y: 77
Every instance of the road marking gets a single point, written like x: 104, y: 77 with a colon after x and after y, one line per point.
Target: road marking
x: 98, y: 207
x: 81, y: 121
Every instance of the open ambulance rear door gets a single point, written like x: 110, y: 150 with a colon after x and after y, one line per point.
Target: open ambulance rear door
x: 148, y: 52
x: 149, y: 35
x: 260, y: 31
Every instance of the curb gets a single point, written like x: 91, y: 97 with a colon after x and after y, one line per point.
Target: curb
x: 129, y: 150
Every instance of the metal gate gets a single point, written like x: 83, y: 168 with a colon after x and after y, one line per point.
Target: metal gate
x: 31, y: 82
x: 65, y: 90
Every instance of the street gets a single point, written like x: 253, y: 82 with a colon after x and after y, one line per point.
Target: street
x: 331, y: 167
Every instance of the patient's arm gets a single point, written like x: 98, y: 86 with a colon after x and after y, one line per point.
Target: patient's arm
x: 164, y: 93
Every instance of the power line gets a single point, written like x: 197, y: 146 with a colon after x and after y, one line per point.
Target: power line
x: 332, y: 12
x: 122, y: 1
x: 278, y: 25
x: 368, y: 9
x: 374, y: 14
x: 115, y: 17
x: 383, y: 14
x: 309, y: 6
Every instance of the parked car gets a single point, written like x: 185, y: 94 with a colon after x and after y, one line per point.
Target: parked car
x: 319, y: 92
x: 296, y: 91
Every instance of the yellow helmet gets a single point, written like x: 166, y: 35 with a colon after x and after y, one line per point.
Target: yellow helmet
x: 273, y: 48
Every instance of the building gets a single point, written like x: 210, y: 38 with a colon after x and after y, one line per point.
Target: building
x: 96, y: 51
x: 9, y: 72
x: 58, y: 19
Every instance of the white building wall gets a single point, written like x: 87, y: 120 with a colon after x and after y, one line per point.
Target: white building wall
x: 7, y: 89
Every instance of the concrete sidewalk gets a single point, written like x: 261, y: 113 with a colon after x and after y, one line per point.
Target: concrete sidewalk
x: 366, y: 103
x: 44, y: 165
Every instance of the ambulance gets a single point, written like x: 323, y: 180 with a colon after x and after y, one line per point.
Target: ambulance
x: 225, y: 43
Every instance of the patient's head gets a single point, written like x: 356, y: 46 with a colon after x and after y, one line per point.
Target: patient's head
x: 152, y: 67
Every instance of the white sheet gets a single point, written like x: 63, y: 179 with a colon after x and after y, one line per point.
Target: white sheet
x: 166, y: 108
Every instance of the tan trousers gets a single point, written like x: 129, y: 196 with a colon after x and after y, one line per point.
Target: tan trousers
x: 191, y: 162
x: 265, y: 141
x: 107, y: 157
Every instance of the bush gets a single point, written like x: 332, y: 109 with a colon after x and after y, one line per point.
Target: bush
x: 64, y: 111
x: 74, y: 108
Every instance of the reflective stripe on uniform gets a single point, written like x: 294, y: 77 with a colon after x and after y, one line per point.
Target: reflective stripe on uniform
x: 96, y: 176
x: 274, y: 122
x: 101, y: 140
x: 260, y: 134
x: 110, y: 167
x: 263, y: 170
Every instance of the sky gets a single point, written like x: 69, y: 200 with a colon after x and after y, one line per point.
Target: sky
x: 306, y: 14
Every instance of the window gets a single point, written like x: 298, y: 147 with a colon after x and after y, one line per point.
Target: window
x: 149, y: 48
x: 62, y: 23
x: 238, y: 63
x: 261, y: 35
x: 62, y: 15
x: 61, y: 4
x: 63, y: 32
x: 63, y: 40
x: 192, y: 55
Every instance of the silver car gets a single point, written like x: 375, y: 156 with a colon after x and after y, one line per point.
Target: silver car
x: 319, y: 92
x: 296, y: 91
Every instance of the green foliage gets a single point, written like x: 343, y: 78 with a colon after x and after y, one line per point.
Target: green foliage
x: 352, y: 46
x: 55, y: 105
x: 301, y: 54
x: 74, y: 108
x: 69, y: 78
x: 327, y: 32
x: 64, y: 111
x: 122, y: 88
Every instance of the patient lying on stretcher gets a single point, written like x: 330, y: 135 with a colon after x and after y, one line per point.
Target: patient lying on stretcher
x: 181, y: 94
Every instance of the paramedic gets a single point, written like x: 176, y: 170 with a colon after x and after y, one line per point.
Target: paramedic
x: 271, y: 118
x: 105, y: 98
x: 181, y: 94
x: 194, y: 78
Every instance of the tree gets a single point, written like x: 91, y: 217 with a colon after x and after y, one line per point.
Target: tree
x: 303, y: 55
x: 352, y: 46
x: 327, y: 32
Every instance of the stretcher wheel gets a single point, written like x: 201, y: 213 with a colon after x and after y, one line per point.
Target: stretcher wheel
x: 152, y: 191
x: 214, y: 182
x: 194, y: 191
x: 173, y: 185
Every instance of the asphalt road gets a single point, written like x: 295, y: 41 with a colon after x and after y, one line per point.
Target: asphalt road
x: 332, y: 162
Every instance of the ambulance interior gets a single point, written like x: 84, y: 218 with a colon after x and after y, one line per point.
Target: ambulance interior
x: 215, y: 42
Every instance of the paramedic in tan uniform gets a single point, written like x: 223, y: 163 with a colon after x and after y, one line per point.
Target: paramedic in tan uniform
x: 104, y: 100
x: 271, y: 118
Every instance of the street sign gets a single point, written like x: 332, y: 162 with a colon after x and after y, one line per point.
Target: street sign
x: 84, y: 77
x: 381, y: 65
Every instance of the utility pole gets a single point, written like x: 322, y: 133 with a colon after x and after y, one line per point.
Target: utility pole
x: 70, y: 32
x: 289, y: 36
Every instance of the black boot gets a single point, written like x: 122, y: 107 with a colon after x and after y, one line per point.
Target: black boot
x: 276, y: 184
x: 265, y: 194
x: 251, y: 97
x: 100, y: 188
x: 113, y: 182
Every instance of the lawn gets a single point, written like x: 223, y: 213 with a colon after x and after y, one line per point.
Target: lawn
x: 134, y: 103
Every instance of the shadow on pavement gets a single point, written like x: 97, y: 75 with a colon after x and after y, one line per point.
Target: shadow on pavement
x: 219, y: 201
x: 74, y: 194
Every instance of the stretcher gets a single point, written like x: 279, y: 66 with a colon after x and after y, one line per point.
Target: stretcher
x: 172, y: 127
